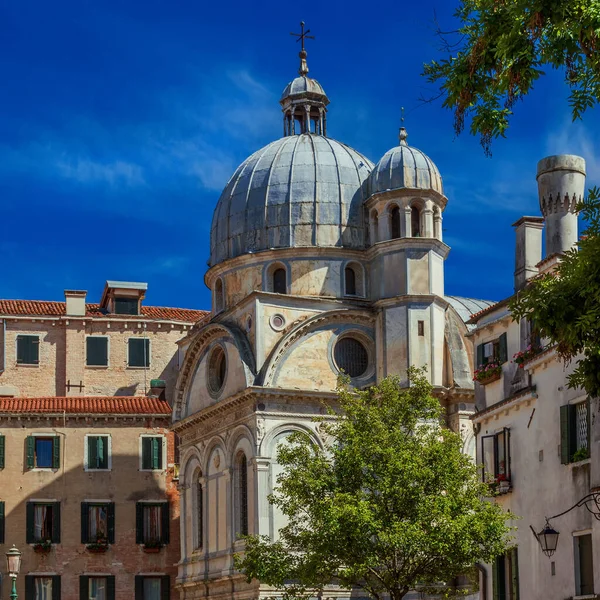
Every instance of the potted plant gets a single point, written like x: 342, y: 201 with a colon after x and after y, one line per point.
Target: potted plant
x: 43, y: 547
x: 581, y: 454
x: 152, y: 546
x: 521, y: 357
x: 488, y: 372
x: 503, y: 483
x: 99, y: 546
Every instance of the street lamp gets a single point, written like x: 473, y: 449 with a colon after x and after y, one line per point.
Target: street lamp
x: 13, y: 562
x: 548, y: 539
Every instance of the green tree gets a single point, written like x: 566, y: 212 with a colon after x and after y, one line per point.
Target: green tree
x: 565, y: 305
x: 391, y: 504
x: 503, y: 46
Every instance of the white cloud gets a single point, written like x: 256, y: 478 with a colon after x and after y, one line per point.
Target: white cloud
x: 86, y: 171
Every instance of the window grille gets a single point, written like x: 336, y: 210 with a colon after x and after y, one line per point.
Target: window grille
x: 581, y: 417
x: 351, y: 357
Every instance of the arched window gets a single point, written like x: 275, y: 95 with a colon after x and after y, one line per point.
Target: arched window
x: 395, y: 218
x: 219, y: 300
x: 350, y: 281
x: 279, y: 281
x: 415, y: 222
x: 241, y: 493
x: 200, y: 514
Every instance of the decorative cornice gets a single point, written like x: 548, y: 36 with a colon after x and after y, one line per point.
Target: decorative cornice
x: 407, y: 243
x: 523, y: 396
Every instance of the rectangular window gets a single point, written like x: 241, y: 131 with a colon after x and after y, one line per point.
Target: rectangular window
x: 126, y: 306
x: 96, y: 353
x: 43, y: 522
x: 421, y: 327
x: 584, y: 565
x: 495, y: 454
x: 574, y: 432
x: 97, y: 588
x: 152, y: 588
x: 97, y: 522
x: 152, y: 453
x: 139, y: 352
x: 42, y: 587
x: 505, y: 576
x: 152, y: 523
x: 495, y: 351
x: 42, y: 452
x: 98, y: 452
x: 28, y: 349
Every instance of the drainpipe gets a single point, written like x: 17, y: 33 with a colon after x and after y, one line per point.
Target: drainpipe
x: 484, y: 577
x: 3, y: 346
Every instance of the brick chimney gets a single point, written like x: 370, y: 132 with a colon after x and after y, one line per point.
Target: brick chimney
x: 528, y: 250
x: 75, y: 303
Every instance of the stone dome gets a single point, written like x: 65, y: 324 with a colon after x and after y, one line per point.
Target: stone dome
x: 301, y: 190
x: 302, y: 85
x: 405, y: 167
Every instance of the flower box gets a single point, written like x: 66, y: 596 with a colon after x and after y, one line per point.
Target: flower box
x: 42, y: 547
x: 97, y: 548
x: 488, y: 373
x: 524, y: 356
x: 151, y: 549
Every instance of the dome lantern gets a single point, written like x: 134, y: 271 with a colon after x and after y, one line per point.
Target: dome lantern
x: 304, y: 102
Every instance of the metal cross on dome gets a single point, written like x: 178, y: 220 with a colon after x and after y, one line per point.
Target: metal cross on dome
x: 304, y: 35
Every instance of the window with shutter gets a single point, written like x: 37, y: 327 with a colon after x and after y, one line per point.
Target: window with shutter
x: 30, y: 451
x: 28, y: 349
x: 495, y: 455
x: 152, y: 453
x: 98, y: 448
x: 96, y: 351
x: 126, y: 306
x: 2, y: 451
x: 56, y: 452
x: 584, y: 565
x: 152, y: 523
x: 2, y: 526
x: 165, y: 588
x: 138, y: 352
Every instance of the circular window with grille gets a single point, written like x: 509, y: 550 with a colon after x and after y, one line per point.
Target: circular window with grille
x: 351, y: 356
x: 217, y: 369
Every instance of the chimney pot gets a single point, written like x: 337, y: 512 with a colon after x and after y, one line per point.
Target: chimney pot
x: 75, y: 303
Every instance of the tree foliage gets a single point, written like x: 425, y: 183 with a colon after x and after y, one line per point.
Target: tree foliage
x: 389, y: 505
x: 504, y: 46
x: 565, y: 305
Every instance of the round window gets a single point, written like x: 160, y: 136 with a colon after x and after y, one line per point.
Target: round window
x: 351, y: 357
x: 217, y: 367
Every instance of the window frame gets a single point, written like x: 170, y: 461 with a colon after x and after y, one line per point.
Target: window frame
x: 85, y: 523
x: 165, y: 521
x: 130, y: 300
x: 56, y: 452
x: 107, y: 338
x: 163, y: 451
x: 165, y: 585
x: 35, y: 363
x: 577, y: 535
x: 569, y: 442
x: 242, y: 493
x: 84, y: 585
x: 149, y: 358
x: 30, y: 585
x: 30, y: 521
x: 503, y: 434
x: 86, y: 465
x: 501, y: 356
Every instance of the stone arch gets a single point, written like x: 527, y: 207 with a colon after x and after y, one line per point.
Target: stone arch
x: 191, y: 459
x: 395, y: 217
x: 359, y: 280
x: 215, y: 444
x: 276, y: 278
x: 239, y: 435
x: 267, y: 446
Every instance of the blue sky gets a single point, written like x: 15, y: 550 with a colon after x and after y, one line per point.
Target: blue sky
x: 121, y: 121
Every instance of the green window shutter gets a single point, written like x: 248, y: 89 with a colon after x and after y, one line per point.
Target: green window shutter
x: 139, y: 587
x: 156, y: 453
x: 96, y: 352
x: 165, y: 588
x: 102, y: 452
x: 110, y: 518
x: 85, y: 520
x: 29, y: 587
x: 514, y: 569
x: 56, y: 523
x: 84, y: 587
x: 165, y: 522
x: 479, y: 356
x: 495, y: 575
x: 3, y: 445
x: 139, y: 523
x: 28, y: 349
x: 146, y: 453
x: 56, y: 452
x: 56, y: 587
x: 92, y: 452
x: 565, y: 456
x: 30, y: 451
x: 502, y: 349
x: 589, y: 426
x: 29, y: 525
x: 110, y: 587
x: 139, y: 352
x: 2, y: 527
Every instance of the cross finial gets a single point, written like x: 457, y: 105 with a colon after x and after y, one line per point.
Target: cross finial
x: 301, y: 37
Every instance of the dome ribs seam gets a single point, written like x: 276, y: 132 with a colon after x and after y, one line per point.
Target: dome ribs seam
x: 266, y: 211
x: 339, y: 183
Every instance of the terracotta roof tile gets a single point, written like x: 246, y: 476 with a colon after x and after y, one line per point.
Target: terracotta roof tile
x: 40, y: 308
x: 105, y: 405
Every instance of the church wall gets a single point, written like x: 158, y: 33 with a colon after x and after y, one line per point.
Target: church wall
x: 396, y: 333
x: 418, y: 271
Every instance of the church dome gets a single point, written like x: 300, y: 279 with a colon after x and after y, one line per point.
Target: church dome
x: 303, y: 85
x: 299, y: 191
x: 405, y: 167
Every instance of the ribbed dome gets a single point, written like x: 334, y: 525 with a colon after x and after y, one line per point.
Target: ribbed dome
x: 405, y: 167
x: 301, y: 190
x: 303, y: 85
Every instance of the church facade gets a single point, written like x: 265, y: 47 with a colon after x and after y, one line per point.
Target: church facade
x: 321, y: 262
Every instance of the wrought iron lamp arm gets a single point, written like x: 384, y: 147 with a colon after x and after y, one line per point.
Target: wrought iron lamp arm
x: 591, y: 502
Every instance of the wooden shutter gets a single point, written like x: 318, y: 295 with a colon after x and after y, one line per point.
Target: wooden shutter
x: 92, y: 461
x: 165, y: 588
x: 2, y: 527
x: 165, y: 522
x: 514, y: 571
x: 102, y: 452
x: 495, y: 580
x: 568, y: 433
x: 110, y: 587
x: 156, y: 453
x: 589, y: 427
x: 21, y: 349
x: 146, y: 453
x: 139, y: 523
x: 84, y: 587
x: 29, y: 587
x: 479, y: 356
x: 55, y: 524
x: 502, y: 349
x: 139, y: 587
x: 85, y: 520
x: 56, y: 587
x: 30, y: 451
x: 97, y: 351
x: 110, y: 518
x: 56, y: 452
x: 29, y: 522
x: 3, y: 446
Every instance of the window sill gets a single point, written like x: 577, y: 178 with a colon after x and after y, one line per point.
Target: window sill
x: 97, y: 470
x: 137, y: 368
x: 152, y: 470
x: 27, y: 365
x: 45, y: 469
x: 586, y: 597
x: 581, y: 463
x: 97, y: 366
